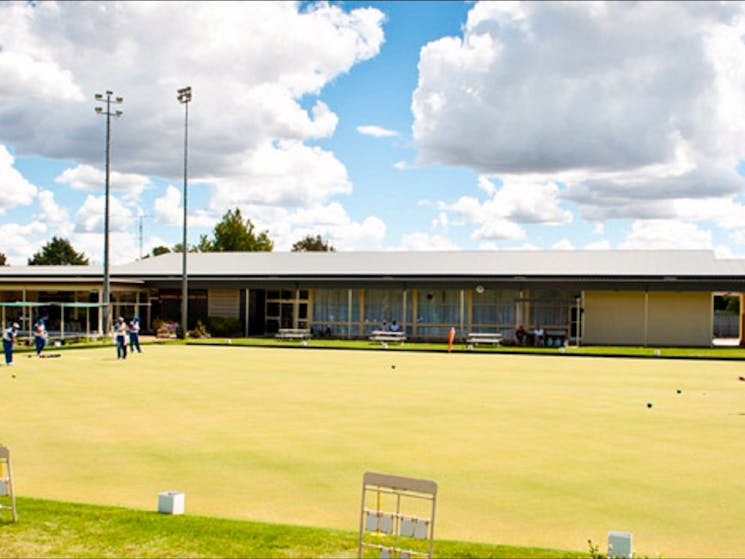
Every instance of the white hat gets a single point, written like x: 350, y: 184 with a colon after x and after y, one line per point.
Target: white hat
x: 15, y: 325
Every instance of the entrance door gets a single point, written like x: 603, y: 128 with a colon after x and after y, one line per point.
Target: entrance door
x: 286, y: 308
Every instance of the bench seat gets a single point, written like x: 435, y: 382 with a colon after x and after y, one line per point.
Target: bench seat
x: 387, y: 336
x: 293, y: 334
x: 494, y: 338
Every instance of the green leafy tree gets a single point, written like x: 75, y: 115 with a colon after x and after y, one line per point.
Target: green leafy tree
x: 157, y: 251
x: 312, y: 244
x: 178, y: 248
x: 204, y: 245
x: 58, y: 252
x: 233, y: 234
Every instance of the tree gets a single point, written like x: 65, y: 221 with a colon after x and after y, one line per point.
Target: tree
x: 58, y: 252
x: 157, y: 251
x: 312, y: 244
x: 3, y: 260
x: 233, y: 234
x: 178, y: 247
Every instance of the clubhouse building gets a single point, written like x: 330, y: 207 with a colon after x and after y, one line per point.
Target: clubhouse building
x: 589, y: 297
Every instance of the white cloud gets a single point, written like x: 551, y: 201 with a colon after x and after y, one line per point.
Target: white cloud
x: 15, y: 190
x: 31, y: 68
x: 123, y: 247
x: 51, y: 212
x: 288, y: 225
x: 21, y: 241
x: 248, y: 79
x: 86, y: 177
x: 666, y: 234
x: 441, y: 221
x: 563, y: 244
x: 422, y: 241
x: 283, y: 174
x: 499, y: 229
x: 90, y: 216
x: 376, y: 131
x: 593, y: 95
x: 516, y: 202
x: 168, y: 208
x: 256, y: 85
x: 598, y: 245
x: 487, y: 185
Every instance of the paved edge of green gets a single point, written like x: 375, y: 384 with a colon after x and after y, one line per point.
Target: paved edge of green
x: 49, y: 528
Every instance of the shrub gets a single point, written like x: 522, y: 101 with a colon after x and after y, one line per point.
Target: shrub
x: 224, y: 326
x: 200, y: 331
x: 164, y: 328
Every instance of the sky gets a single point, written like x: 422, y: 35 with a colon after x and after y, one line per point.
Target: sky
x: 377, y: 125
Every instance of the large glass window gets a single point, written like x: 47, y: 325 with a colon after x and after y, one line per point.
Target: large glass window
x: 332, y: 313
x: 494, y: 311
x: 383, y: 306
x: 551, y: 308
x: 437, y: 312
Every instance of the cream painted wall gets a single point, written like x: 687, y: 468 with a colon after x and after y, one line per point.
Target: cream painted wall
x: 613, y: 317
x: 672, y: 318
x: 680, y: 318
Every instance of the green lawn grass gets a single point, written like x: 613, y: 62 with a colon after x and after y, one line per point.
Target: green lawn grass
x: 545, y: 451
x: 713, y: 353
x: 58, y: 529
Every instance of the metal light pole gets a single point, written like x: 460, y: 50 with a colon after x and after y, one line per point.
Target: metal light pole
x: 184, y: 97
x: 106, y: 283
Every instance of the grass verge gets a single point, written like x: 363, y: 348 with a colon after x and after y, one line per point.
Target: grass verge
x: 59, y: 529
x: 709, y: 353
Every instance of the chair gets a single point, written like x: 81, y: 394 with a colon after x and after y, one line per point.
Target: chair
x: 7, y: 497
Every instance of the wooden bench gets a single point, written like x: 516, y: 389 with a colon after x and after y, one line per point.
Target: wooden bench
x: 387, y: 336
x: 293, y: 334
x: 476, y: 338
x: 558, y: 337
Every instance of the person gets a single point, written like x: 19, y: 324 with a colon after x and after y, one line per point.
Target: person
x: 121, y: 338
x: 134, y: 335
x: 538, y: 333
x: 40, y: 336
x: 395, y: 327
x: 9, y: 337
x: 520, y: 335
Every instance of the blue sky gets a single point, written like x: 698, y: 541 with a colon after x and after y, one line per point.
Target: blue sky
x: 378, y: 125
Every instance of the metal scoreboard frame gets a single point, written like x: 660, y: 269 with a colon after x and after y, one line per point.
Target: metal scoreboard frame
x: 395, y: 532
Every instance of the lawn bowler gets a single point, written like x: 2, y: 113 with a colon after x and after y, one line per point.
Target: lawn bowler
x: 40, y: 336
x: 134, y: 335
x: 9, y: 337
x: 121, y: 338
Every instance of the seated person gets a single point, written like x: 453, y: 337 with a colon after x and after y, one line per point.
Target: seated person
x: 395, y: 327
x: 520, y: 335
x: 538, y: 333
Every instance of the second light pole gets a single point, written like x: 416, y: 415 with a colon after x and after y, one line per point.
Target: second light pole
x: 184, y: 97
x: 109, y: 99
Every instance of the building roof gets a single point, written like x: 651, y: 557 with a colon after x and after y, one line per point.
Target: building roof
x: 558, y: 264
x: 565, y: 263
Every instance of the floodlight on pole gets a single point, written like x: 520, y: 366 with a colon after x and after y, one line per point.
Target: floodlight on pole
x: 184, y: 97
x: 106, y: 280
